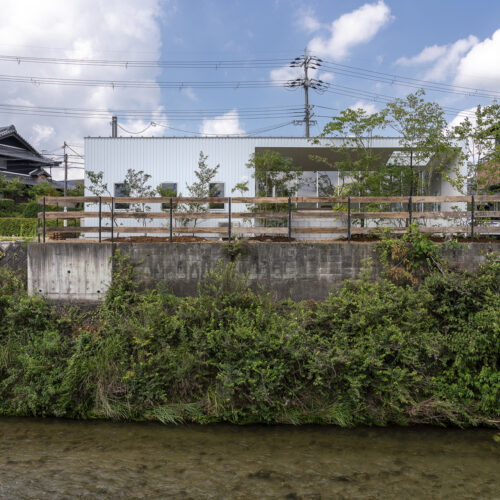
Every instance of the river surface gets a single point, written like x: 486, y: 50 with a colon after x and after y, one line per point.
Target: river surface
x: 59, y: 459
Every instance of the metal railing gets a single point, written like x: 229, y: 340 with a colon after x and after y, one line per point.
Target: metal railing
x: 263, y: 211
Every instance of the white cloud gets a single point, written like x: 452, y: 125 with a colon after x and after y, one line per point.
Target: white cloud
x: 351, y: 29
x: 307, y: 21
x: 369, y: 107
x: 326, y: 77
x: 285, y: 73
x: 114, y: 29
x: 190, y: 94
x: 443, y: 59
x: 226, y: 124
x: 480, y: 66
x: 469, y: 113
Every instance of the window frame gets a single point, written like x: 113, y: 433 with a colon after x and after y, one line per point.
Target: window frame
x: 166, y: 206
x: 217, y: 206
x: 120, y: 206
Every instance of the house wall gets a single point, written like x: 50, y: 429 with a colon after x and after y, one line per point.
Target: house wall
x: 175, y: 159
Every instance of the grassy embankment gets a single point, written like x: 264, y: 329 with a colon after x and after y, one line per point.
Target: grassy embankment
x: 419, y: 346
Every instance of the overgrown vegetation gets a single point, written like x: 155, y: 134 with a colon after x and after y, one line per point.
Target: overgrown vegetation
x: 375, y: 352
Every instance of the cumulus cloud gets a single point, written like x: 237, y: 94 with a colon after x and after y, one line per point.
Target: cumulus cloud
x: 307, y: 21
x: 479, y: 67
x: 226, y: 124
x: 114, y: 29
x: 369, y: 107
x: 351, y: 29
x: 442, y: 59
x: 460, y: 117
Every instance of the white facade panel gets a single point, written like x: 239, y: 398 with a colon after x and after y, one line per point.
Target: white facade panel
x: 175, y: 159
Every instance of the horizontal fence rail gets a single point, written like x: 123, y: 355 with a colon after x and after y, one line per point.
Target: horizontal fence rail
x: 266, y: 215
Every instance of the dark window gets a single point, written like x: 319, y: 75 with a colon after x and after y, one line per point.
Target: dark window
x: 121, y: 189
x: 216, y: 191
x: 168, y: 189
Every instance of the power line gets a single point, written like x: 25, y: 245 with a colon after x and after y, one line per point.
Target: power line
x: 393, y: 79
x: 254, y: 132
x: 210, y: 64
x: 183, y: 115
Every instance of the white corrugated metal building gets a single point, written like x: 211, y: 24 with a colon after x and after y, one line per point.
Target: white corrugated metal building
x: 173, y: 160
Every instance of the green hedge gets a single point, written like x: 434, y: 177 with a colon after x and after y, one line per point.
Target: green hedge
x: 6, y: 206
x: 17, y: 226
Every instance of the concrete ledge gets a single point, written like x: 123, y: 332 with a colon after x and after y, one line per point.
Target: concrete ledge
x: 81, y: 272
x: 69, y: 272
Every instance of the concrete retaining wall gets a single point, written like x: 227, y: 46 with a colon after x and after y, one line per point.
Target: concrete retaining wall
x: 70, y: 272
x: 13, y: 256
x: 81, y: 272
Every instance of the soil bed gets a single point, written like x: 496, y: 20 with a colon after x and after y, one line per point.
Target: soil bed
x: 158, y: 239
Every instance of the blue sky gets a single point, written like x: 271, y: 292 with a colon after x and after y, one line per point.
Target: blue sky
x: 452, y: 43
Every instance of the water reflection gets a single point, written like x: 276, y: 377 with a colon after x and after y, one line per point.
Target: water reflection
x: 63, y: 459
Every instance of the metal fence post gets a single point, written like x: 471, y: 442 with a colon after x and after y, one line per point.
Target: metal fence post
x: 472, y: 218
x: 229, y: 221
x: 289, y: 219
x: 100, y: 219
x: 171, y: 219
x: 38, y: 220
x: 44, y: 219
x: 112, y: 219
x: 410, y: 209
x: 349, y: 218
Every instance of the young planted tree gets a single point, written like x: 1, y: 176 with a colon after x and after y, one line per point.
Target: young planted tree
x: 361, y: 169
x: 136, y: 184
x: 481, y: 137
x: 275, y: 176
x: 427, y: 145
x: 201, y: 188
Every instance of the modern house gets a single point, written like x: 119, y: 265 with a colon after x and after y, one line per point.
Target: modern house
x: 172, y: 161
x: 20, y: 160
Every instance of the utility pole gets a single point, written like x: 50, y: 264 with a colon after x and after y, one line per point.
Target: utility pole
x: 114, y: 126
x: 65, y: 179
x: 65, y: 170
x: 306, y: 62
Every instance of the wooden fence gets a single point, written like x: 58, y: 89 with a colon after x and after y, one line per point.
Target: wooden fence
x: 476, y: 219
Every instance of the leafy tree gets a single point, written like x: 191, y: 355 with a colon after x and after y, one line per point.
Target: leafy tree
x: 427, y: 147
x: 43, y: 189
x: 12, y: 188
x: 96, y: 184
x: 361, y: 170
x: 200, y: 189
x: 481, y: 137
x: 275, y: 175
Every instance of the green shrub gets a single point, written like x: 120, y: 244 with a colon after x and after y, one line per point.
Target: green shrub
x: 372, y: 353
x: 30, y: 210
x: 7, y: 207
x: 18, y: 226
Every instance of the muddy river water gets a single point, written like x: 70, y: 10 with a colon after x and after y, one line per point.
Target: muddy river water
x: 63, y: 459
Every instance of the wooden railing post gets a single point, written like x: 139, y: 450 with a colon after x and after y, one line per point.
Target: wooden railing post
x: 349, y: 218
x: 410, y: 209
x: 229, y: 220
x: 289, y: 219
x: 100, y: 219
x: 44, y: 219
x: 112, y: 219
x: 171, y: 219
x: 472, y: 218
